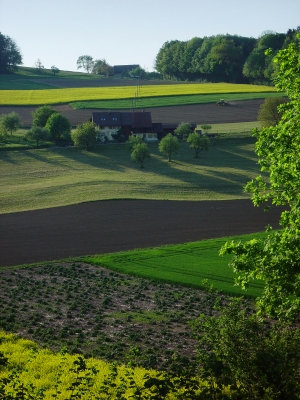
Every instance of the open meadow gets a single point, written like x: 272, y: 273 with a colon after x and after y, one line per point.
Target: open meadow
x: 36, y: 179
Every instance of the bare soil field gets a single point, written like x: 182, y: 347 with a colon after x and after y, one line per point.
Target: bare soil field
x: 236, y: 111
x: 116, y: 225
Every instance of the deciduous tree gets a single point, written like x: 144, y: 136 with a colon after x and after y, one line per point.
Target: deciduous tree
x: 10, y: 55
x: 86, y: 62
x: 276, y: 260
x: 55, y: 70
x: 183, y: 129
x: 38, y: 66
x: 269, y: 114
x: 59, y: 128
x: 258, y: 360
x: 85, y: 135
x: 10, y: 122
x: 37, y: 134
x: 140, y: 153
x: 198, y: 142
x: 41, y: 115
x: 206, y: 128
x: 169, y: 145
x: 133, y: 141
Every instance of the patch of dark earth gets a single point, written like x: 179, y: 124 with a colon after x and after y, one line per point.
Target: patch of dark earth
x: 119, y: 225
x: 236, y: 111
x: 93, y: 311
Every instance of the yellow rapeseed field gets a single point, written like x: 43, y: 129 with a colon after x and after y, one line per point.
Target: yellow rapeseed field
x: 67, y: 95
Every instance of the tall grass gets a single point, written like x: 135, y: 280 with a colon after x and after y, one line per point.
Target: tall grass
x: 67, y: 95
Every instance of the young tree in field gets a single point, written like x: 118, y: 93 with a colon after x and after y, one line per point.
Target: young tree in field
x: 55, y: 70
x: 38, y: 66
x: 59, y: 128
x: 10, y: 122
x: 41, y: 115
x: 268, y: 114
x: 198, y: 142
x: 133, y: 141
x: 10, y: 55
x: 169, y: 145
x: 206, y: 128
x: 85, y: 135
x: 37, y: 134
x: 140, y: 153
x: 86, y: 62
x: 276, y: 259
x: 183, y: 129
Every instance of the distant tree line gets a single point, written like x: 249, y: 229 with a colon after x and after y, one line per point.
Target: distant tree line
x: 223, y: 58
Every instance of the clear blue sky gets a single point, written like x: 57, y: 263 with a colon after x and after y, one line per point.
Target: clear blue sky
x: 131, y: 31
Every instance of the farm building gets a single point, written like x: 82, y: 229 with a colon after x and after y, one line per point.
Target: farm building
x: 138, y: 123
x: 131, y: 123
x: 120, y: 69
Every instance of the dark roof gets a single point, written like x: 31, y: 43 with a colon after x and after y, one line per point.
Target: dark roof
x: 118, y: 69
x: 116, y: 118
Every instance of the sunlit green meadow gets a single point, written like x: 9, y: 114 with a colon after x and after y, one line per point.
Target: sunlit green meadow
x: 37, y: 179
x: 196, y: 264
x: 67, y: 95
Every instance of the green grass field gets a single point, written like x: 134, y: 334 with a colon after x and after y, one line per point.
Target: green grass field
x: 37, y: 179
x: 67, y: 95
x: 171, y: 100
x: 193, y: 264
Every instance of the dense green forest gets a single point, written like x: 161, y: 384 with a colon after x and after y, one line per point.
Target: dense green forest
x: 223, y: 58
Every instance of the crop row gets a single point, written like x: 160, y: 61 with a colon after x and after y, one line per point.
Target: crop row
x: 67, y: 95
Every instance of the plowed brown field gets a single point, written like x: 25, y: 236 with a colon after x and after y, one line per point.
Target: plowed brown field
x: 109, y: 226
x: 237, y: 111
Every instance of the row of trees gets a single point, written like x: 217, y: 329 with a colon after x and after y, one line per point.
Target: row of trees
x: 228, y: 58
x: 168, y: 144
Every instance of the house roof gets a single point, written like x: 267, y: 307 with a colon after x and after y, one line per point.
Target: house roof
x: 116, y: 118
x: 118, y: 69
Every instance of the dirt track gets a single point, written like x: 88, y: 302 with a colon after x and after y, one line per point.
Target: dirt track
x: 237, y: 111
x: 109, y: 226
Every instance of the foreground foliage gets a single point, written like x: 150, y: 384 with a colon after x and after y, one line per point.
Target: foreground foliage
x: 276, y: 259
x: 259, y: 359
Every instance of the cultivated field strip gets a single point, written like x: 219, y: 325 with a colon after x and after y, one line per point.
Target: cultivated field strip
x: 67, y: 95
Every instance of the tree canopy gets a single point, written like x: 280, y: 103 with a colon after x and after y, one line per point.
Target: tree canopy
x: 169, y: 145
x: 140, y: 153
x: 101, y: 67
x: 41, y: 115
x: 183, y: 129
x: 229, y: 58
x: 10, y: 123
x: 198, y: 142
x: 59, y: 128
x: 10, y: 55
x: 37, y: 134
x: 269, y: 114
x: 85, y: 135
x: 85, y: 62
x: 276, y: 260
